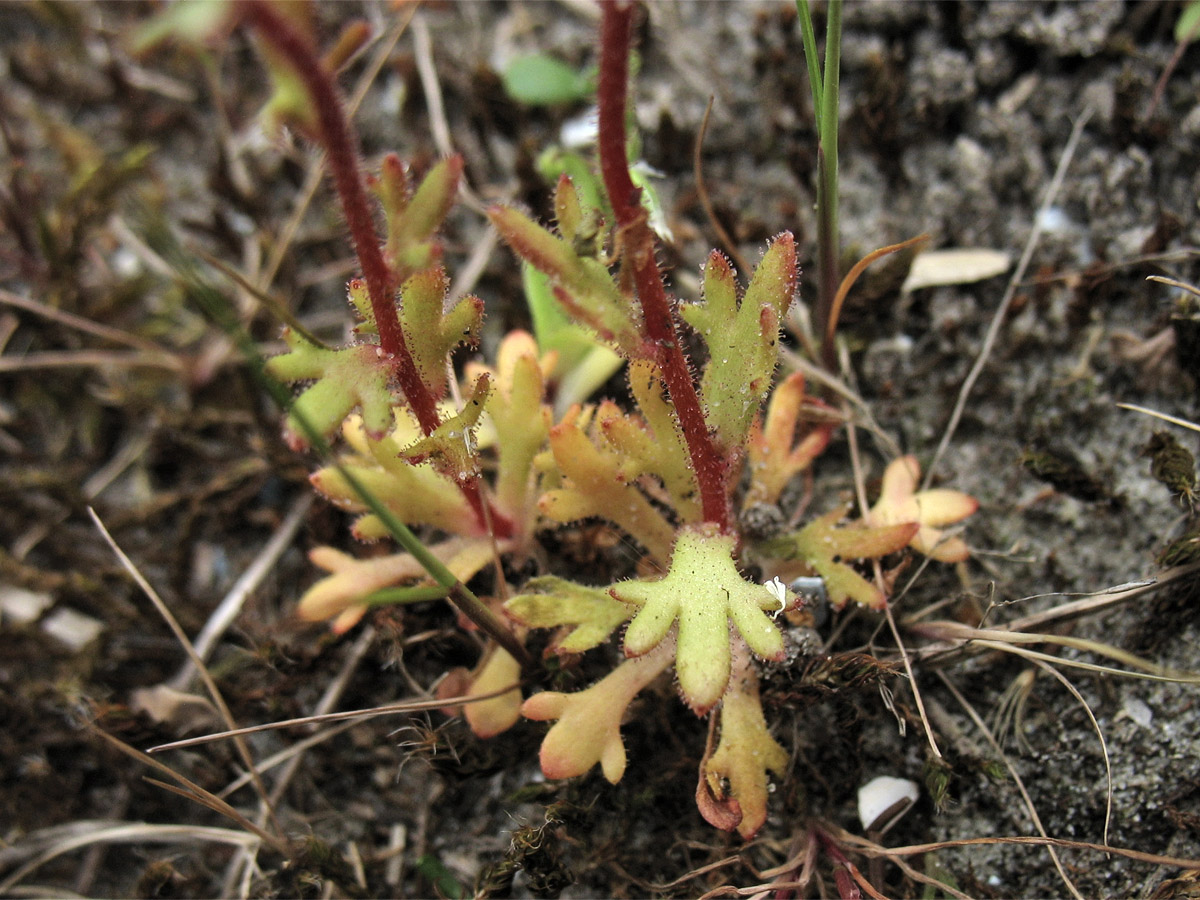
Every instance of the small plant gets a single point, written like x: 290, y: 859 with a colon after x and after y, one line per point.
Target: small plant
x: 691, y: 470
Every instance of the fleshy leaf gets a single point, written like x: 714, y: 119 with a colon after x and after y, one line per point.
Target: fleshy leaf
x: 354, y: 579
x: 190, y: 24
x: 598, y: 486
x: 490, y: 717
x: 550, y: 602
x: 588, y: 730
x: 822, y: 545
x: 521, y: 421
x: 413, y: 220
x: 584, y: 361
x: 742, y: 339
x: 773, y: 459
x: 900, y: 501
x: 580, y: 283
x: 703, y: 590
x: 540, y: 80
x: 430, y: 333
x: 351, y: 377
x: 657, y: 450
x: 451, y: 446
x: 417, y: 494
x: 290, y: 104
x: 744, y: 755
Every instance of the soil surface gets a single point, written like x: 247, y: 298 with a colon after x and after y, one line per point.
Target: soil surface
x: 118, y: 393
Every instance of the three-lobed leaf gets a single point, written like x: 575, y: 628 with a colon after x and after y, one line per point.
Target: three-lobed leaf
x: 742, y: 338
x: 354, y: 377
x: 702, y: 591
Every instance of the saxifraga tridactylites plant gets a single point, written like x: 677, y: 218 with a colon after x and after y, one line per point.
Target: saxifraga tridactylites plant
x: 677, y: 473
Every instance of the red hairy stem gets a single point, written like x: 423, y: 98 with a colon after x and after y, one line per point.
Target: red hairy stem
x: 341, y: 150
x: 637, y: 241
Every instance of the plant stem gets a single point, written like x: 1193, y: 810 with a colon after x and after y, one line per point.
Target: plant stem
x: 637, y: 244
x: 341, y: 147
x: 825, y: 108
x: 211, y: 301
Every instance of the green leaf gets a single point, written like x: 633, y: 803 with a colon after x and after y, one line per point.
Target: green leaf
x: 451, y: 446
x: 703, y: 591
x: 555, y: 330
x: 598, y: 485
x: 540, y: 80
x: 551, y: 602
x: 822, y: 545
x: 654, y: 446
x: 191, y: 24
x: 417, y: 495
x: 412, y: 223
x: 351, y: 377
x: 1188, y: 25
x: 742, y: 338
x: 432, y: 333
x: 554, y: 164
x: 582, y: 284
x: 439, y: 877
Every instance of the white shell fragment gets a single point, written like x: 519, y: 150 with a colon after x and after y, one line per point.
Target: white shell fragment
x: 883, y: 795
x: 935, y: 268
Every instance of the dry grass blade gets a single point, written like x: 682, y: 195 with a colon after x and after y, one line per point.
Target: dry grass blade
x: 89, y: 359
x: 1008, y: 641
x: 231, y: 605
x: 1174, y: 420
x: 939, y: 887
x: 912, y: 681
x: 1009, y: 715
x: 389, y: 709
x: 852, y: 276
x: 195, y: 792
x: 211, y: 686
x: 96, y: 329
x: 864, y: 417
x: 273, y: 304
x: 1108, y: 779
x: 333, y: 693
x: 284, y: 755
x: 432, y: 89
x: 723, y: 863
x: 860, y: 489
x: 729, y: 890
x: 1099, y: 600
x: 1175, y: 283
x: 706, y: 201
x: 871, y: 849
x: 126, y: 832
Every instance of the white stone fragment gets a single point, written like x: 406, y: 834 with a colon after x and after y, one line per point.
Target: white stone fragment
x: 1137, y: 710
x: 20, y: 606
x: 72, y: 628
